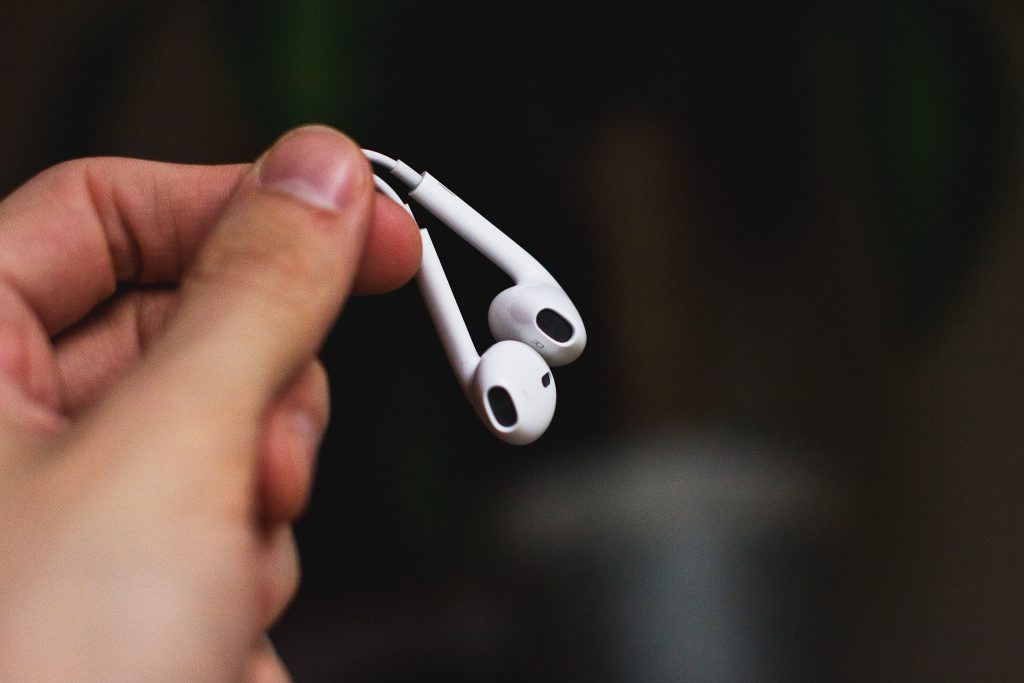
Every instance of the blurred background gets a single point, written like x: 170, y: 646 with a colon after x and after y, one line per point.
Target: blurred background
x: 793, y: 449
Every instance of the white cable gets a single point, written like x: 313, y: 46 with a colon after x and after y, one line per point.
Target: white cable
x: 380, y: 159
x: 395, y: 167
x: 390, y: 193
x: 387, y: 190
x: 444, y: 311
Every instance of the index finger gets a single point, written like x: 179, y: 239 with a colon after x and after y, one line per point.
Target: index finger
x: 72, y: 233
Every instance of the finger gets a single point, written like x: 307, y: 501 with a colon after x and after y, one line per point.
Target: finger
x: 26, y: 361
x: 23, y: 422
x: 69, y: 235
x: 272, y: 277
x: 256, y: 305
x: 392, y: 253
x: 295, y: 426
x: 93, y: 356
x: 279, y: 573
x: 265, y: 666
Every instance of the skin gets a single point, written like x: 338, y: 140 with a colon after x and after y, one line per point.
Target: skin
x: 161, y: 402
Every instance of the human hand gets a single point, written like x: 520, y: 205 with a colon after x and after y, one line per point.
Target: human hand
x: 161, y: 404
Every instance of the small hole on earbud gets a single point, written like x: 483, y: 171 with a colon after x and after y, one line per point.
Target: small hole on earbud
x: 546, y: 379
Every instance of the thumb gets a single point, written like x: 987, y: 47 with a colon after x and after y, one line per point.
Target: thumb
x: 258, y: 301
x: 272, y: 276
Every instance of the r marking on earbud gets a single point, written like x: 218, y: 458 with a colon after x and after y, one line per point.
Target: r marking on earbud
x: 537, y: 343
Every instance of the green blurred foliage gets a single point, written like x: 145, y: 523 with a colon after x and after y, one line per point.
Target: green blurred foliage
x: 935, y: 126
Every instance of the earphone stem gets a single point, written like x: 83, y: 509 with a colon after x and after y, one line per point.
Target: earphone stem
x: 483, y: 235
x: 444, y: 311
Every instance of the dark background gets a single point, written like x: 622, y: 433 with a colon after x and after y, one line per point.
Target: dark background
x: 794, y: 447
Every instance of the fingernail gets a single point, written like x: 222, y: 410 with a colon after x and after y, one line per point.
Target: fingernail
x: 316, y: 165
x: 306, y: 431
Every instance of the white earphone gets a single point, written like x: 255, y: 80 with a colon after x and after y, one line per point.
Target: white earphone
x: 534, y: 322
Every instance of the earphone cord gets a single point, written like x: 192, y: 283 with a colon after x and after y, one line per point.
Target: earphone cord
x: 390, y: 164
x: 379, y: 159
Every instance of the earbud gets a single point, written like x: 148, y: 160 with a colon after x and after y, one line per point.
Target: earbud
x: 510, y: 385
x: 536, y: 324
x: 541, y: 315
x: 536, y: 311
x: 513, y: 392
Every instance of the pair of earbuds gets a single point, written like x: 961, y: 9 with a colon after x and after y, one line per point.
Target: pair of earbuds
x: 535, y: 324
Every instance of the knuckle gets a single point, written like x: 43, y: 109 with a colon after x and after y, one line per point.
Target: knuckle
x: 72, y: 182
x: 282, y: 578
x: 63, y: 173
x: 318, y: 386
x: 76, y: 179
x: 275, y: 270
x: 288, y: 586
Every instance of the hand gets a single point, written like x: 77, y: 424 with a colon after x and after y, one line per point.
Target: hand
x: 161, y: 404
